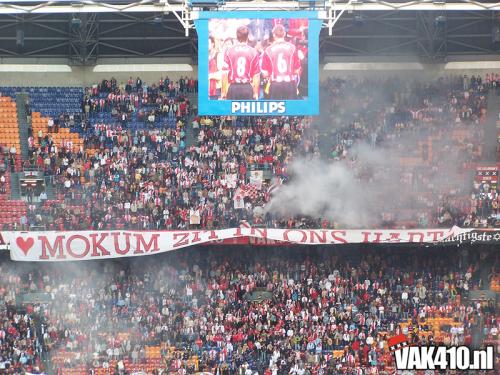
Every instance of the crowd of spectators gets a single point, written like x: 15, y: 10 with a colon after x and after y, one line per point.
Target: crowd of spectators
x: 425, y: 106
x: 180, y: 170
x: 485, y: 202
x: 8, y: 157
x: 149, y: 178
x: 268, y: 311
x: 434, y: 128
x: 167, y: 98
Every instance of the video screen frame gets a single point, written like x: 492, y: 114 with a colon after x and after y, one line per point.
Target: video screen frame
x: 265, y: 104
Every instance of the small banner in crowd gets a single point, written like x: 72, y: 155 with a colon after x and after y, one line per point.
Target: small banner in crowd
x: 32, y: 298
x: 88, y: 245
x: 256, y: 178
x: 487, y: 174
x: 238, y: 199
x: 194, y: 217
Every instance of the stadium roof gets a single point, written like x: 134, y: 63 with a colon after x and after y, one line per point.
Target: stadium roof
x: 85, y: 31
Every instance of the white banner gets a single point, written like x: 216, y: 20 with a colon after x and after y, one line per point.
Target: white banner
x: 87, y: 245
x: 256, y: 178
x: 238, y: 201
x: 194, y: 217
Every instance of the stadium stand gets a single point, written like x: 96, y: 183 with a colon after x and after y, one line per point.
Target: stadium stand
x: 11, y: 211
x: 137, y: 156
x: 51, y: 101
x: 446, y: 109
x: 268, y: 310
x: 327, y: 203
x: 120, y: 135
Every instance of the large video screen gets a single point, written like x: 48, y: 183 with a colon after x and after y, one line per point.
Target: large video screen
x: 265, y: 65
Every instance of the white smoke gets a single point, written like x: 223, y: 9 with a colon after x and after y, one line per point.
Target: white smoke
x: 355, y: 191
x: 328, y: 190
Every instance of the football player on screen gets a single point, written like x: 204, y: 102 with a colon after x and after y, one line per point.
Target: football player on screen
x: 281, y: 65
x: 241, y: 62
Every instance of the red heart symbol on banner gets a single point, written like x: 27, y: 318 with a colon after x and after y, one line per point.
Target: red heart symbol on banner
x: 25, y: 244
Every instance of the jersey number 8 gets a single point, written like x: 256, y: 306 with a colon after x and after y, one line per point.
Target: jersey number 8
x: 241, y: 66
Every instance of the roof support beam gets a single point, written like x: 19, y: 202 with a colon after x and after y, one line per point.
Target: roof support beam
x: 89, y: 6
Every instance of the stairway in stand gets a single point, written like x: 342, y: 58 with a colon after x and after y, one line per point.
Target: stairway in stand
x: 22, y: 121
x: 190, y: 133
x: 15, y: 187
x: 492, y: 129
